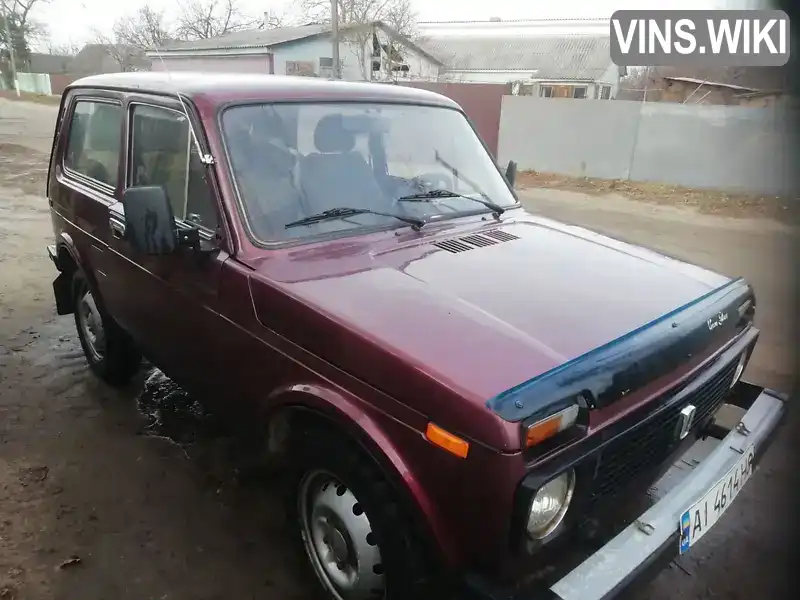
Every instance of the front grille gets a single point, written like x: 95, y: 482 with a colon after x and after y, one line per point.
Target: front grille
x: 647, y: 447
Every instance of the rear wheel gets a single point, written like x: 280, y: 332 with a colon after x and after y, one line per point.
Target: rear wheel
x: 111, y: 354
x: 357, y: 538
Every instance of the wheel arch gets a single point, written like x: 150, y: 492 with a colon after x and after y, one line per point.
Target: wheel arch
x: 67, y: 252
x: 71, y: 261
x: 296, y: 404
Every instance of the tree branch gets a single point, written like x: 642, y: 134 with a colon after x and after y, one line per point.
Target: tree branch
x: 204, y: 19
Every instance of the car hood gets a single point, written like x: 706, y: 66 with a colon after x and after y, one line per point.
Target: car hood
x: 474, y: 311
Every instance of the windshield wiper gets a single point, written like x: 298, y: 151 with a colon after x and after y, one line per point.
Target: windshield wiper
x: 344, y: 212
x: 432, y: 194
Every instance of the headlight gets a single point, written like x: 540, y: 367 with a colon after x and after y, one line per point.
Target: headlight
x: 739, y: 368
x: 550, y: 504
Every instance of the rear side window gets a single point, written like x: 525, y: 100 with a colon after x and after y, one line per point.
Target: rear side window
x: 162, y: 154
x: 93, y: 146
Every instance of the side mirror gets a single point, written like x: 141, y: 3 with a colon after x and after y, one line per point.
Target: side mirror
x: 149, y: 220
x: 511, y: 173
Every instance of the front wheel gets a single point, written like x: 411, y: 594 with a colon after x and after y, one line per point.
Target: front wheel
x: 358, y: 540
x: 111, y: 354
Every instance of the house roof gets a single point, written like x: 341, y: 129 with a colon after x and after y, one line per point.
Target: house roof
x: 96, y: 58
x: 754, y: 78
x: 48, y: 63
x: 576, y: 57
x: 251, y: 38
x: 269, y: 38
x: 704, y: 82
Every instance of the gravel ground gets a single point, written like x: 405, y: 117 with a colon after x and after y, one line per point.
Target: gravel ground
x: 96, y: 504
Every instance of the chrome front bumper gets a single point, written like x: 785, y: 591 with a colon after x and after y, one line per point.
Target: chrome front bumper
x: 654, y: 534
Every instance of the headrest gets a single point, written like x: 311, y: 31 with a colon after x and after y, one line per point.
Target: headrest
x: 161, y: 135
x: 242, y: 150
x: 104, y: 128
x: 331, y: 136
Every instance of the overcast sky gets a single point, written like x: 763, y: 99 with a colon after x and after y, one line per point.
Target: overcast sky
x: 75, y: 20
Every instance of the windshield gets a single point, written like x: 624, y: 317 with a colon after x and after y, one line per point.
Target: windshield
x: 294, y: 161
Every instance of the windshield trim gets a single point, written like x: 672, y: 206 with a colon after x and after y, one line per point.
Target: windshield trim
x: 343, y: 233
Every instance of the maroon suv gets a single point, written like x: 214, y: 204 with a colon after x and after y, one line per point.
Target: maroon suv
x: 459, y: 389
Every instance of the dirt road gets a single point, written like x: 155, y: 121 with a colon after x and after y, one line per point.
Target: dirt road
x: 94, y: 505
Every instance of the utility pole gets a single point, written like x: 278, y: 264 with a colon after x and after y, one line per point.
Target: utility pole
x: 10, y: 45
x: 337, y: 70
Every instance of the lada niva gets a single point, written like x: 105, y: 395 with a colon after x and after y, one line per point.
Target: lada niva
x: 458, y: 389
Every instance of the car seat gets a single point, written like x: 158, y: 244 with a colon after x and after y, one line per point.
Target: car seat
x: 337, y: 175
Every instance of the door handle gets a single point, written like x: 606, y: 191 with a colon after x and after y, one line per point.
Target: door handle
x: 117, y: 228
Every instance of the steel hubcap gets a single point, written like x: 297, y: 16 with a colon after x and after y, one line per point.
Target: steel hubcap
x: 338, y: 539
x: 92, y: 325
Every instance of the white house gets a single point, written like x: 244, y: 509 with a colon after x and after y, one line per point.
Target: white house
x: 369, y: 52
x: 547, y: 58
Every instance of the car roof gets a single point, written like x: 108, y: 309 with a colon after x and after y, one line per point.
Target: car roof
x: 220, y: 88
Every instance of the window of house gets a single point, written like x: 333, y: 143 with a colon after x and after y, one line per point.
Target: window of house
x: 300, y: 67
x: 546, y: 91
x: 94, y: 141
x: 163, y: 153
x: 605, y: 92
x: 376, y: 46
x: 579, y: 92
x: 325, y: 66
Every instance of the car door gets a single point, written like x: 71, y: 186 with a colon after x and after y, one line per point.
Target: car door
x: 87, y: 176
x: 170, y: 301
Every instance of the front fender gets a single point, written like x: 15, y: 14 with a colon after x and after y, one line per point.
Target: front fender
x: 377, y: 434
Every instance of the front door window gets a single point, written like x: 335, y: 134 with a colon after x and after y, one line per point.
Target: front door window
x: 163, y: 154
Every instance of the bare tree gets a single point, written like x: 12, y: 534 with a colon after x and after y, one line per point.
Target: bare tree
x: 19, y: 12
x: 639, y: 84
x: 144, y: 29
x: 132, y: 35
x: 355, y: 20
x: 65, y: 49
x: 397, y: 14
x: 203, y: 19
x: 126, y: 57
x: 22, y: 28
x: 400, y: 16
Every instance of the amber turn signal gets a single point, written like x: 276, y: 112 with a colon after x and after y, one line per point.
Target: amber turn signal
x: 446, y: 440
x: 547, y: 428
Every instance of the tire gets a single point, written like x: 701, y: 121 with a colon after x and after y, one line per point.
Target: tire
x: 111, y: 354
x: 332, y: 480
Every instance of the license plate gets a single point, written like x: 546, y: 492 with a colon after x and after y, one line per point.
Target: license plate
x: 701, y: 516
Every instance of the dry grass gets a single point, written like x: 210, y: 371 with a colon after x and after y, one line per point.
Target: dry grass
x: 706, y: 201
